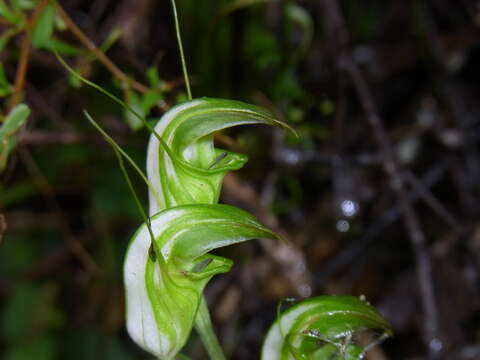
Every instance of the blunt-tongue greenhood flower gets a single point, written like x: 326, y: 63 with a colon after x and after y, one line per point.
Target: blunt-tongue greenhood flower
x: 164, y: 292
x: 186, y: 168
x: 322, y: 328
x: 164, y: 281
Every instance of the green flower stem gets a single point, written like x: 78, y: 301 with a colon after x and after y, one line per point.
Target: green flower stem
x: 180, y: 47
x: 203, y: 325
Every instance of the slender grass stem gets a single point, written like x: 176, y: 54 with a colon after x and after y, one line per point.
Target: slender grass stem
x: 203, y: 325
x: 180, y: 47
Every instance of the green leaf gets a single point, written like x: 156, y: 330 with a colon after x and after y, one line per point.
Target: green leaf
x: 62, y: 47
x: 321, y: 328
x: 7, y: 13
x: 43, y: 31
x: 150, y: 99
x: 164, y: 291
x: 12, y: 124
x: 141, y: 104
x: 3, y: 77
x: 14, y: 121
x: 153, y: 77
x: 20, y: 5
x: 9, y: 33
x: 133, y: 100
x: 112, y: 38
x: 5, y: 87
x: 184, y: 166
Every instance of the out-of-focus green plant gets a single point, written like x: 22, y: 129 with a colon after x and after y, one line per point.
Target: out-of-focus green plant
x: 43, y: 32
x: 12, y: 123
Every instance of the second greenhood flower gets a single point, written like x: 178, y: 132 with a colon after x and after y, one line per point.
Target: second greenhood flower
x: 184, y: 167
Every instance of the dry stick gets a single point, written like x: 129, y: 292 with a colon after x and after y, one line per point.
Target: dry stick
x: 21, y: 70
x: 3, y: 226
x: 45, y: 138
x: 336, y: 28
x: 426, y: 194
x: 41, y: 181
x: 25, y: 55
x: 33, y: 137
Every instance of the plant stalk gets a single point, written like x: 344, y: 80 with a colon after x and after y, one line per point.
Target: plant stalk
x: 180, y: 47
x: 203, y: 325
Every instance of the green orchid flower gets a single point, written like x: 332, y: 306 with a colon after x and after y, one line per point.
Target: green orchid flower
x: 165, y: 277
x: 322, y: 328
x: 164, y: 288
x: 183, y: 165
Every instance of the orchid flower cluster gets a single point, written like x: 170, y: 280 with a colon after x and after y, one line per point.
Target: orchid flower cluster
x: 168, y: 262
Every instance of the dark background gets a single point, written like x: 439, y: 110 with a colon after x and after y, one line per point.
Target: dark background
x: 378, y: 195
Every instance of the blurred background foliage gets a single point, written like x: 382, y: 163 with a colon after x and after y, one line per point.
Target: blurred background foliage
x: 66, y: 214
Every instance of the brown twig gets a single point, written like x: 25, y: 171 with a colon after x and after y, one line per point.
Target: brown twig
x: 3, y: 226
x: 48, y: 137
x: 21, y: 70
x: 38, y: 137
x: 426, y: 194
x: 25, y: 55
x: 337, y: 30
